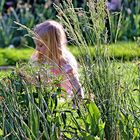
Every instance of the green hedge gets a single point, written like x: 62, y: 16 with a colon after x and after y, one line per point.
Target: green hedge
x: 120, y: 51
x: 11, y: 56
x: 125, y: 51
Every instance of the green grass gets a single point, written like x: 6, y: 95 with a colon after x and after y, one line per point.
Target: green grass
x: 33, y: 112
x: 29, y: 111
x: 128, y: 71
x: 25, y: 103
x: 4, y: 73
x: 121, y: 51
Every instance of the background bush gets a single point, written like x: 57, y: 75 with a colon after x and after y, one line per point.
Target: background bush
x: 124, y: 24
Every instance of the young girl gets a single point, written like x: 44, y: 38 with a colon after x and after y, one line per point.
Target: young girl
x: 51, y: 48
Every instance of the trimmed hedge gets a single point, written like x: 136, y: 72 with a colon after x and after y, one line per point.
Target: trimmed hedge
x: 121, y: 51
x: 12, y: 56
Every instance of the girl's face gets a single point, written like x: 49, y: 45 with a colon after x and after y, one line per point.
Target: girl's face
x: 41, y: 47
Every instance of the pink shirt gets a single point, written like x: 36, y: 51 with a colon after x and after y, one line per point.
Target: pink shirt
x: 68, y: 82
x: 69, y: 73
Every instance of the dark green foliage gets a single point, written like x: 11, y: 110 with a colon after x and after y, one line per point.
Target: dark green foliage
x: 124, y: 24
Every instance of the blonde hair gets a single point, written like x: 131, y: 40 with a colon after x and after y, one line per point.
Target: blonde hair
x: 52, y: 35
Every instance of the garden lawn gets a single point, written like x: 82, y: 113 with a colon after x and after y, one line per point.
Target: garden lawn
x: 121, y: 51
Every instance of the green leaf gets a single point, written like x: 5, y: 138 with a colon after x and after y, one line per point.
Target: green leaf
x: 93, y: 109
x: 136, y: 134
x: 1, y: 132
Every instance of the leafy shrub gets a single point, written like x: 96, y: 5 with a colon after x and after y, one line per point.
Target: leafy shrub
x: 12, y: 56
x: 2, y: 59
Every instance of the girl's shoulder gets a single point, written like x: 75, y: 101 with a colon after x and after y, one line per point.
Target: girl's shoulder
x: 70, y: 59
x: 70, y: 63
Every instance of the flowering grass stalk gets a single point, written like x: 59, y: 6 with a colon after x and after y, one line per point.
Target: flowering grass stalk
x: 114, y: 95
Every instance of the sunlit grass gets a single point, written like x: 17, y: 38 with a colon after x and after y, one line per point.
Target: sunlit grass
x: 121, y: 51
x: 30, y: 109
x: 4, y: 73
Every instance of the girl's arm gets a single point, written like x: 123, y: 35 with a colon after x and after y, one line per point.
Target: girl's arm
x: 74, y: 80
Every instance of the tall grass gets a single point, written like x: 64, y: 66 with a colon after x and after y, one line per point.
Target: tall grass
x: 32, y: 108
x: 114, y: 95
